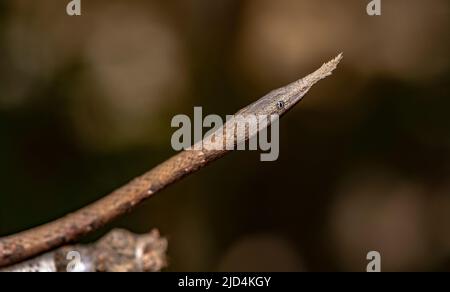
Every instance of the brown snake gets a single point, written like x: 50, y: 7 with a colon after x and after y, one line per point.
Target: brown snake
x: 18, y: 247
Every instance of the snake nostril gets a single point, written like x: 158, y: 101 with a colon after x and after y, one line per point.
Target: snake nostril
x: 280, y: 104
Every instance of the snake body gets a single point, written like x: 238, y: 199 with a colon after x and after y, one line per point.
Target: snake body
x: 72, y: 227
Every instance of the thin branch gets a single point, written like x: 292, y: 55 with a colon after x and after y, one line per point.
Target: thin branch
x: 118, y: 251
x: 72, y: 227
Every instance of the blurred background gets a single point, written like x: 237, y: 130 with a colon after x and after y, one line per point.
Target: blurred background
x: 86, y: 104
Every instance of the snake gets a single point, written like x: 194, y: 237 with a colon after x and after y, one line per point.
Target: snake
x: 70, y: 228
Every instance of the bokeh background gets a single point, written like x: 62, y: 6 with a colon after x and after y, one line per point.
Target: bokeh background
x: 86, y: 104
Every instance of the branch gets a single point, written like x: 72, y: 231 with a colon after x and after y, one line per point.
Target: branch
x: 72, y: 227
x: 118, y: 251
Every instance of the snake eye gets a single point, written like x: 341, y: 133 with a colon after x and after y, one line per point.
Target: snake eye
x: 280, y: 105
